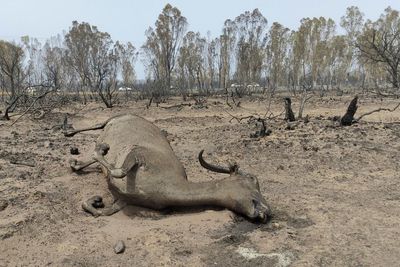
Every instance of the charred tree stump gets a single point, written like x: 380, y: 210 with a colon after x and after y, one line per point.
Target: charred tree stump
x: 289, y: 115
x: 264, y: 131
x: 348, y: 118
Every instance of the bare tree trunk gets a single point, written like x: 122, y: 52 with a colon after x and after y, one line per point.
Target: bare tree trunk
x: 303, y: 101
x: 7, y: 110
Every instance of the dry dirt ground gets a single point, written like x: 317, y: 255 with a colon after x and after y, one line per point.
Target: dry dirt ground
x: 334, y: 191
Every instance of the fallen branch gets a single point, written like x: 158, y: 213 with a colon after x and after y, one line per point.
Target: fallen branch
x: 272, y: 116
x: 378, y: 110
x: 269, y: 114
x: 177, y: 106
x: 384, y: 94
x: 33, y: 103
x: 25, y: 163
x: 239, y: 119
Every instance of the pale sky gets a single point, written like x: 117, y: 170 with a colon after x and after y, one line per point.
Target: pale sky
x: 127, y: 20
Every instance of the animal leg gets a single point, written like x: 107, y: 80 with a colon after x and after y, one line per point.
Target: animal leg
x: 114, y: 208
x: 93, y: 204
x: 75, y: 166
x: 99, y: 153
x: 94, y: 127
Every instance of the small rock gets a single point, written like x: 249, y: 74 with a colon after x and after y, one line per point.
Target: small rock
x: 291, y: 125
x: 119, y: 247
x: 280, y: 167
x: 3, y: 204
x: 74, y: 151
x: 48, y: 144
x: 164, y: 132
x: 184, y: 252
x: 276, y: 225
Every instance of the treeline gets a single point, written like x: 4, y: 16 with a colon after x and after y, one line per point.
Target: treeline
x: 84, y: 60
x: 248, y: 55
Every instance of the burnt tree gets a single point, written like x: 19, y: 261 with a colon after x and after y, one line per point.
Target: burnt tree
x: 348, y: 118
x: 289, y: 115
x: 8, y: 108
x: 263, y: 131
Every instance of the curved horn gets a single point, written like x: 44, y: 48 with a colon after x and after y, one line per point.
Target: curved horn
x: 216, y: 168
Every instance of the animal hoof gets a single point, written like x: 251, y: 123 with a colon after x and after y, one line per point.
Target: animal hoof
x: 98, y: 202
x: 103, y: 148
x: 74, y: 151
x: 73, y: 164
x: 92, y: 204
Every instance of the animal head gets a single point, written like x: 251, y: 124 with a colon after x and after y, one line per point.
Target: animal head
x: 248, y: 198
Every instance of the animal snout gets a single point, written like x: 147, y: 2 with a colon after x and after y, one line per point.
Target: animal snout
x: 262, y: 212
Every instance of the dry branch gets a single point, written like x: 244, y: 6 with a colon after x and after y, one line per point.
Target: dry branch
x: 384, y: 94
x: 303, y: 102
x: 33, y: 103
x: 377, y: 110
x: 239, y: 119
x: 149, y: 104
x: 24, y: 163
x: 264, y: 131
x: 179, y: 106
